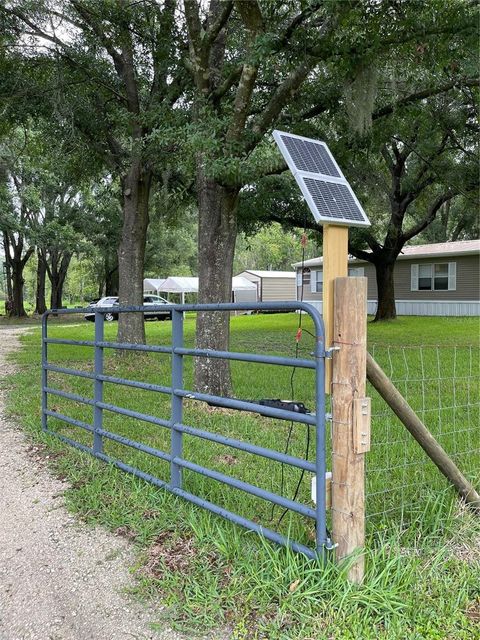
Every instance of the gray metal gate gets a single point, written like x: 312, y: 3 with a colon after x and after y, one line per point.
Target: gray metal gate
x: 175, y: 424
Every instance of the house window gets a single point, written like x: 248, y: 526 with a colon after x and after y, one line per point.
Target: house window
x: 306, y: 277
x: 356, y: 272
x: 317, y: 281
x: 425, y: 277
x: 440, y: 277
x: 434, y: 277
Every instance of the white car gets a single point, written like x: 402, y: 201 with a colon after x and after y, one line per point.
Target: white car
x: 150, y: 300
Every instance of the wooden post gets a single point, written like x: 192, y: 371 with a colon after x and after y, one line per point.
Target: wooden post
x: 335, y: 265
x: 348, y: 387
x: 422, y: 435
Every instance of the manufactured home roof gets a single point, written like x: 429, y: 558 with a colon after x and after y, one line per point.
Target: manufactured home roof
x: 438, y: 250
x: 271, y: 274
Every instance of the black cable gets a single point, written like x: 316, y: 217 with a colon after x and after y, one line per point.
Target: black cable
x: 292, y: 390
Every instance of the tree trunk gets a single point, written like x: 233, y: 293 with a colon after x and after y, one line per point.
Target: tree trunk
x: 56, y: 294
x: 131, y: 252
x: 18, y: 310
x: 217, y: 232
x: 40, y: 303
x: 386, y: 291
x: 57, y: 276
x: 15, y: 264
x: 111, y: 275
x: 8, y: 276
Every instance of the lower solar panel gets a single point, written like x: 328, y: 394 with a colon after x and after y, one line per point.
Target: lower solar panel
x: 332, y: 202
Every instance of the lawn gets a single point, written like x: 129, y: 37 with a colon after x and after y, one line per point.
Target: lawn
x: 210, y: 572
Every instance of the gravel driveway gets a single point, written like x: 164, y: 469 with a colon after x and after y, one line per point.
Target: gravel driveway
x: 59, y: 579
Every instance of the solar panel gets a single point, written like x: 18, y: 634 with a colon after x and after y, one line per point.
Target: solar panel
x: 323, y: 185
x: 334, y: 201
x: 310, y: 156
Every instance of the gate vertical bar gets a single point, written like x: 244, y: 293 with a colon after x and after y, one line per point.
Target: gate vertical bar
x: 177, y: 401
x: 98, y: 390
x: 321, y: 528
x: 44, y: 371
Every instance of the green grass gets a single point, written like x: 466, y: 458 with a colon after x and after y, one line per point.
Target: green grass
x: 420, y: 581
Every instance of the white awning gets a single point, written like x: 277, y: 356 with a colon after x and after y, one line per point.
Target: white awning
x: 172, y: 284
x: 180, y: 284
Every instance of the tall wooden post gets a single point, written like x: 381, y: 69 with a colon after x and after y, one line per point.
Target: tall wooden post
x: 350, y: 420
x: 335, y: 265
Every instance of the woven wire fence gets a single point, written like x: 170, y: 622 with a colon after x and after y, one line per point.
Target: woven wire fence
x: 442, y: 384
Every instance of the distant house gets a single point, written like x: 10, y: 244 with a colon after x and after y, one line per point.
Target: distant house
x: 272, y: 286
x: 430, y: 280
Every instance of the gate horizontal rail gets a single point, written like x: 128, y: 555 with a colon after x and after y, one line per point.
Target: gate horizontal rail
x: 177, y: 351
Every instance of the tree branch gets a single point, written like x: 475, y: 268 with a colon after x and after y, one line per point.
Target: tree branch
x: 360, y: 253
x: 278, y: 100
x: 123, y: 61
x: 194, y: 26
x: 253, y: 21
x: 425, y: 93
x: 227, y: 84
x: 35, y: 28
x: 429, y: 218
x: 297, y: 21
x: 218, y: 23
x: 93, y: 23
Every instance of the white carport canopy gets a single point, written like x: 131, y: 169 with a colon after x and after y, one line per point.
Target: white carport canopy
x: 183, y: 285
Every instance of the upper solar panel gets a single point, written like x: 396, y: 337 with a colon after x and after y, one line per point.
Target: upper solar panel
x: 310, y: 156
x: 324, y: 187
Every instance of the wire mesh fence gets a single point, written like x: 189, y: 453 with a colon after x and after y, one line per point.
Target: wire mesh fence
x: 442, y: 384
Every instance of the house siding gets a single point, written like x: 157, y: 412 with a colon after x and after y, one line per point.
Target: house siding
x: 369, y: 273
x: 278, y: 289
x: 272, y: 289
x: 256, y: 280
x: 464, y: 300
x: 468, y: 279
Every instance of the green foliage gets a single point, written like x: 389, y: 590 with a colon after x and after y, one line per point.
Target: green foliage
x: 271, y: 248
x: 171, y: 244
x: 85, y: 132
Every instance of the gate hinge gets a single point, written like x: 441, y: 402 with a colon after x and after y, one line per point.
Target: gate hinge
x: 329, y: 545
x: 329, y: 352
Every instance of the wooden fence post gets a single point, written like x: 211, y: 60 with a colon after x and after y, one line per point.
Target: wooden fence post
x: 348, y: 442
x: 335, y: 265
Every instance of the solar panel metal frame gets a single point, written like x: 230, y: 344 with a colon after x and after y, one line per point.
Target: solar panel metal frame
x: 300, y: 175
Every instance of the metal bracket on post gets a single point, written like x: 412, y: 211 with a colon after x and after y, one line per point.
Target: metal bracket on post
x: 329, y: 352
x: 98, y: 391
x: 177, y: 400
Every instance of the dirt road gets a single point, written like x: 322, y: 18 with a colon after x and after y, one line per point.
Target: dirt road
x: 59, y: 579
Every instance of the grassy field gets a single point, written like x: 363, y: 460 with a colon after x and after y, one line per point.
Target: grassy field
x: 422, y: 560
